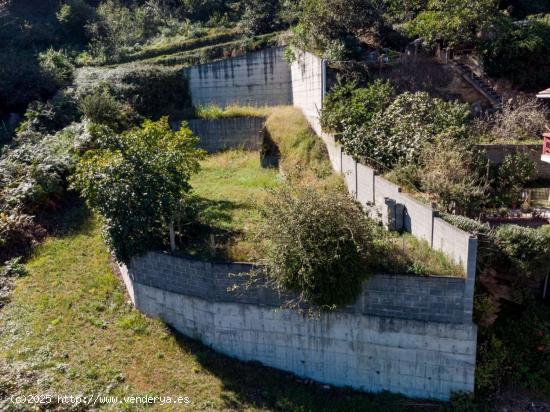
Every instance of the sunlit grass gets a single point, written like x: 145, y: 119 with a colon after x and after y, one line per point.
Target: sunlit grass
x: 231, y: 186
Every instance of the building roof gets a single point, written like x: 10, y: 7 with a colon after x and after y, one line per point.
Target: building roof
x: 545, y: 94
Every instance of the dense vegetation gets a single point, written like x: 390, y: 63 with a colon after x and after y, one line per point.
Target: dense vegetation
x: 83, y: 84
x: 137, y: 181
x: 431, y: 146
x: 511, y: 49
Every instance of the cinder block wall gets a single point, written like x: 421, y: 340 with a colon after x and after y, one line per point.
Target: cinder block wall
x: 405, y: 334
x: 260, y: 78
x: 229, y: 133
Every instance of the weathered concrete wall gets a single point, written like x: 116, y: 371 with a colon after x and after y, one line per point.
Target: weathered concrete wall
x: 308, y: 86
x: 497, y: 152
x: 390, y: 339
x: 229, y: 133
x: 259, y: 79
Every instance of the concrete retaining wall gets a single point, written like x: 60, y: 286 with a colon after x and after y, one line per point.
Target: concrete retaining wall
x: 259, y: 79
x: 229, y: 133
x: 391, y: 339
x: 308, y: 86
x: 497, y: 152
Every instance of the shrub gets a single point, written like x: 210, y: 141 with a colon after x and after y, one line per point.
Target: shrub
x: 317, y: 243
x: 521, y: 119
x: 511, y: 176
x: 101, y: 107
x: 57, y: 65
x: 50, y: 116
x: 33, y: 172
x: 526, y: 248
x: 449, y: 172
x: 136, y: 180
x: 18, y: 233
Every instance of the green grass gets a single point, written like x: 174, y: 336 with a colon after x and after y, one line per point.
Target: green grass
x: 415, y: 256
x: 213, y: 112
x: 210, y: 52
x: 70, y: 330
x: 177, y: 44
x: 230, y: 186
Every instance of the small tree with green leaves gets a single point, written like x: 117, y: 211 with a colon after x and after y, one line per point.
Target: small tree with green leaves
x: 454, y: 22
x: 317, y: 243
x: 136, y: 180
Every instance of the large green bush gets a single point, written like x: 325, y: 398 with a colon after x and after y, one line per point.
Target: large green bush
x: 385, y: 134
x: 317, y: 243
x: 450, y: 172
x: 350, y: 105
x: 136, y: 181
x: 527, y: 249
x: 510, y: 178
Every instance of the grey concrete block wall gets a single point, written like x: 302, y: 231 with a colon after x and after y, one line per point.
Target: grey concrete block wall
x: 228, y: 133
x: 419, y: 358
x: 434, y: 299
x: 259, y: 78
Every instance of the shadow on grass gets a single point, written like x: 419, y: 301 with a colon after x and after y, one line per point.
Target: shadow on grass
x: 211, y: 229
x: 254, y: 385
x: 70, y: 217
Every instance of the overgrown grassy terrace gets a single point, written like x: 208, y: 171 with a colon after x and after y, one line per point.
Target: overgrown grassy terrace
x: 232, y: 185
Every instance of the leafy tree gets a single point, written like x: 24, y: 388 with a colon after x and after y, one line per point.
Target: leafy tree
x: 260, y: 16
x: 398, y: 133
x: 401, y: 11
x: 521, y: 53
x: 136, y: 181
x: 317, y: 243
x: 454, y: 22
x: 326, y: 22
